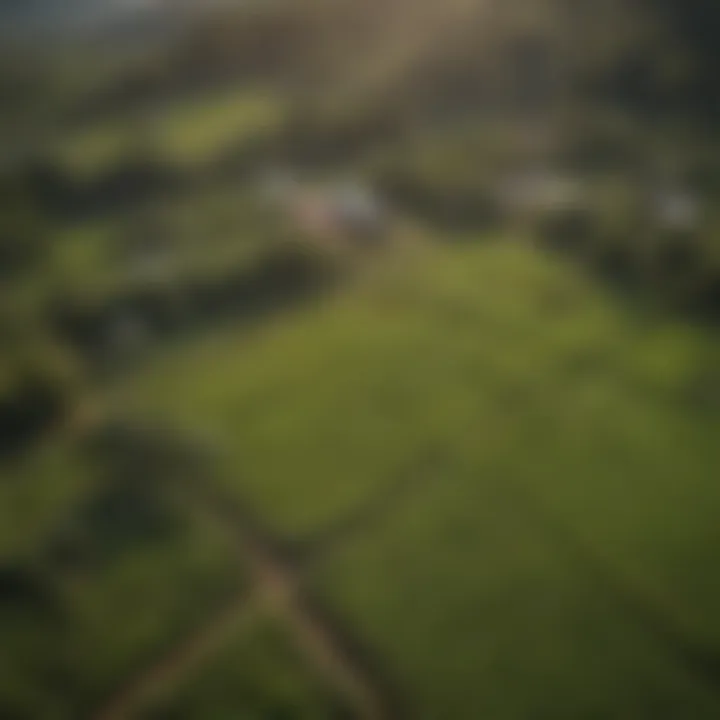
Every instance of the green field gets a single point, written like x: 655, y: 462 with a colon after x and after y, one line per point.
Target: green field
x: 553, y: 549
x: 187, y: 133
x: 503, y: 476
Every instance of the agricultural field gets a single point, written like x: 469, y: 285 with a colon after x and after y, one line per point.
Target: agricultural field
x: 535, y: 520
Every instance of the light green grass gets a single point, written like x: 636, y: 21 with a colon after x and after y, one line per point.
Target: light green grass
x: 202, y: 131
x: 189, y: 132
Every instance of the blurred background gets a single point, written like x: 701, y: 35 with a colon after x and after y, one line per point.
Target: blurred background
x: 359, y: 359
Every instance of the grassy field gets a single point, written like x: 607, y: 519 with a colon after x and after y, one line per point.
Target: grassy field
x: 554, y: 550
x: 504, y: 476
x: 186, y: 236
x: 186, y: 133
x: 481, y: 610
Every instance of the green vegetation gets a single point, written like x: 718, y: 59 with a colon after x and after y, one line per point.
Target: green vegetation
x: 463, y: 468
x: 259, y: 675
x: 99, y: 572
x: 564, y: 464
x: 480, y: 607
x: 187, y: 236
x: 186, y: 133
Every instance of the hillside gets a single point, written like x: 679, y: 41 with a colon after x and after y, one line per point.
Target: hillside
x: 360, y: 359
x: 493, y: 478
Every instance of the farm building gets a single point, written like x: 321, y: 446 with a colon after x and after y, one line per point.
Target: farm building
x: 336, y: 211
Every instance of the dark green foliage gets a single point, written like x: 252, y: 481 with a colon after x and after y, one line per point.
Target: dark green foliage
x: 25, y: 590
x: 126, y: 184
x: 121, y: 518
x: 29, y: 409
x: 453, y: 206
x: 696, y: 23
x: 54, y: 191
x: 573, y: 231
x: 22, y: 234
x: 282, y: 274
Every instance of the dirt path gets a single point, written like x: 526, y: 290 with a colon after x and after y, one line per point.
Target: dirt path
x: 348, y: 668
x: 155, y: 681
x: 277, y: 587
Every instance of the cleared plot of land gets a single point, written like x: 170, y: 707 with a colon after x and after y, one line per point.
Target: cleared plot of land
x: 557, y: 552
